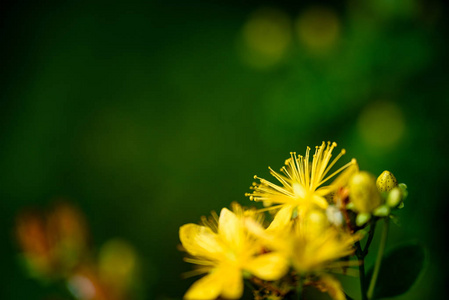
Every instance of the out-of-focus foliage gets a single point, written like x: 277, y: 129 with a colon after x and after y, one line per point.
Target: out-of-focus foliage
x: 150, y: 114
x: 54, y: 250
x: 399, y: 270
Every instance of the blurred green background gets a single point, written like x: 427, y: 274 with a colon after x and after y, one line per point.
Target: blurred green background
x: 149, y: 114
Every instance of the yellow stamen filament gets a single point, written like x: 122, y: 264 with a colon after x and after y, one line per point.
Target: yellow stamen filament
x: 300, y: 178
x: 352, y: 162
x: 195, y: 272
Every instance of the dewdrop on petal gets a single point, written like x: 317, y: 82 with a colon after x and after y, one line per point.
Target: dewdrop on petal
x: 363, y: 192
x: 386, y: 181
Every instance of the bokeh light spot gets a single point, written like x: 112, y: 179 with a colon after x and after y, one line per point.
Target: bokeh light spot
x: 318, y: 28
x: 382, y: 124
x: 266, y: 37
x: 82, y: 287
x: 118, y: 263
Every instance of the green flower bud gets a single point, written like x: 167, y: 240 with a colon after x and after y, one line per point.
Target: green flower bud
x: 394, y: 197
x: 382, y: 211
x: 363, y: 192
x: 386, y: 182
x: 362, y: 219
x: 404, y: 191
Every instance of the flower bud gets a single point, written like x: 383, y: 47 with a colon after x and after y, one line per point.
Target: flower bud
x: 394, y: 197
x: 404, y: 191
x: 362, y: 219
x: 386, y: 181
x: 382, y: 211
x: 363, y: 192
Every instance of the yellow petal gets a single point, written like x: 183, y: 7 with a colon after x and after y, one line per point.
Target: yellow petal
x: 230, y: 228
x: 332, y: 286
x: 314, y: 224
x: 233, y: 283
x: 271, y: 266
x: 207, y: 288
x: 224, y: 281
x: 200, y: 240
x: 320, y: 201
x: 341, y: 180
x: 257, y: 230
x: 282, y: 219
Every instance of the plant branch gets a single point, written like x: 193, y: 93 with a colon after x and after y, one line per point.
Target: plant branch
x: 370, y: 237
x: 360, y: 255
x: 380, y: 253
x: 299, y: 289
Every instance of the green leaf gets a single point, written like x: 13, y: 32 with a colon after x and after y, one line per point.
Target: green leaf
x: 310, y: 292
x: 348, y: 297
x: 399, y: 270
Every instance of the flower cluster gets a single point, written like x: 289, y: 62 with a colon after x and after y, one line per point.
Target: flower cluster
x: 314, y: 226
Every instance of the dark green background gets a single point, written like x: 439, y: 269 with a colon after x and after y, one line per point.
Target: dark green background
x: 146, y: 116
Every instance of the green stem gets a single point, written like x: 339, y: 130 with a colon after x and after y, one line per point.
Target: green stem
x: 300, y: 286
x: 299, y: 290
x: 372, y: 229
x: 380, y: 253
x: 361, y: 258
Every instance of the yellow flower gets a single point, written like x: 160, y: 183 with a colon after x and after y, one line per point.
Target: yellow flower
x: 225, y: 251
x: 302, y: 182
x: 318, y: 246
x: 310, y: 242
x: 277, y: 236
